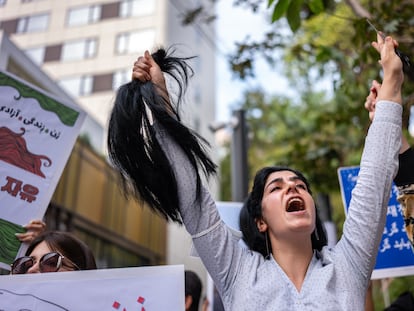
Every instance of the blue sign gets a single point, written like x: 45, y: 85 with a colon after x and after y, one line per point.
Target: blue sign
x: 395, y: 255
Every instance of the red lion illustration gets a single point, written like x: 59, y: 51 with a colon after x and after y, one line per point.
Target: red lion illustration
x: 13, y: 150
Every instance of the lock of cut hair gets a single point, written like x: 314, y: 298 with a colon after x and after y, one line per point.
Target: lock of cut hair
x: 133, y: 147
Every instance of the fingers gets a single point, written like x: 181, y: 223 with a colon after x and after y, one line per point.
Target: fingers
x: 150, y: 59
x: 34, y: 228
x: 375, y: 87
x: 371, y: 99
x: 141, y: 69
x: 36, y: 225
x: 386, y: 44
x: 389, y: 60
x: 391, y: 64
x: 26, y: 237
x: 380, y: 41
x: 370, y: 103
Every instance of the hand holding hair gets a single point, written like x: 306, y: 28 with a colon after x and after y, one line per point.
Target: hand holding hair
x: 146, y: 69
x: 392, y: 68
x: 133, y: 146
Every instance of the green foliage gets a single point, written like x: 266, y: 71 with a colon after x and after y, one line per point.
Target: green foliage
x: 394, y: 288
x: 293, y: 14
x: 292, y: 10
x: 400, y: 285
x: 280, y: 9
x: 316, y: 6
x: 311, y: 136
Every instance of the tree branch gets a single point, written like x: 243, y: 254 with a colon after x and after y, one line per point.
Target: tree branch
x: 358, y: 9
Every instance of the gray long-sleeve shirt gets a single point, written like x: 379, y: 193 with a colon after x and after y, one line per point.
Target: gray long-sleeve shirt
x: 337, y: 277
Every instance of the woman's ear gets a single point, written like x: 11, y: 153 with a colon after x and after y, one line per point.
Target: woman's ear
x: 261, y: 225
x: 188, y: 302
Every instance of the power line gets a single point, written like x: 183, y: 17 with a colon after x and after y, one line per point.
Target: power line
x: 212, y: 42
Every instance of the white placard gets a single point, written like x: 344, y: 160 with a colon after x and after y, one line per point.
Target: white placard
x: 154, y: 288
x: 37, y: 134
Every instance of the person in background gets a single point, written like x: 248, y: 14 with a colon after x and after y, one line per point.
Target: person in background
x: 193, y: 289
x: 404, y: 302
x: 54, y: 251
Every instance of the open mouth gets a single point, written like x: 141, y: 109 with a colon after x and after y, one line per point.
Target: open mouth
x: 295, y: 205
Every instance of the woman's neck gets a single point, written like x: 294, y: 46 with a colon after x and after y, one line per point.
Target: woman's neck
x: 294, y: 259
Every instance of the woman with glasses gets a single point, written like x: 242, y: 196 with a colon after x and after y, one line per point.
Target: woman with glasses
x: 54, y: 251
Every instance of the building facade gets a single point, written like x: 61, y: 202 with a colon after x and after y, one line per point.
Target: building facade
x: 88, y: 48
x: 88, y: 200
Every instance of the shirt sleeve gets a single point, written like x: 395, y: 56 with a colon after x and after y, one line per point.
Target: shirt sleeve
x: 365, y: 221
x: 217, y: 246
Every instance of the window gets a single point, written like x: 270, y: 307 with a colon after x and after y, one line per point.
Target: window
x: 33, y: 23
x: 78, y: 86
x: 121, y: 77
x: 110, y: 10
x: 53, y: 53
x: 46, y: 54
x: 132, y: 42
x: 102, y: 83
x: 9, y: 26
x: 137, y: 7
x: 36, y: 54
x: 84, y: 15
x: 77, y: 50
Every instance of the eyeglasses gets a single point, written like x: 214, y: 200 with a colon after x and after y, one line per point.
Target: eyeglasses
x: 50, y: 262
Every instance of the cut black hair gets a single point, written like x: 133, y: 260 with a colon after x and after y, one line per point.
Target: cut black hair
x: 133, y: 147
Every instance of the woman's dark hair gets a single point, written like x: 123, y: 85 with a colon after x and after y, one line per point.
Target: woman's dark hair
x: 133, y: 147
x: 193, y: 288
x: 252, y: 210
x: 67, y: 245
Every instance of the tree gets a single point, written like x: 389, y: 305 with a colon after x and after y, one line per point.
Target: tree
x: 394, y: 17
x: 310, y: 137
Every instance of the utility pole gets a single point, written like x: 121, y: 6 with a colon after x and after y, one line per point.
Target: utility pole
x: 239, y: 168
x: 325, y: 214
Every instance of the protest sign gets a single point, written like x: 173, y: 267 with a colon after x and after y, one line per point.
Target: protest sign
x: 37, y: 134
x: 395, y: 256
x: 152, y: 288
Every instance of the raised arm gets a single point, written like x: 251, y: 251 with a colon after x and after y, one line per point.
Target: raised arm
x: 368, y: 208
x: 214, y: 242
x: 405, y: 176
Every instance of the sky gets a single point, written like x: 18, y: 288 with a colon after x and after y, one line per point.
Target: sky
x: 235, y: 24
